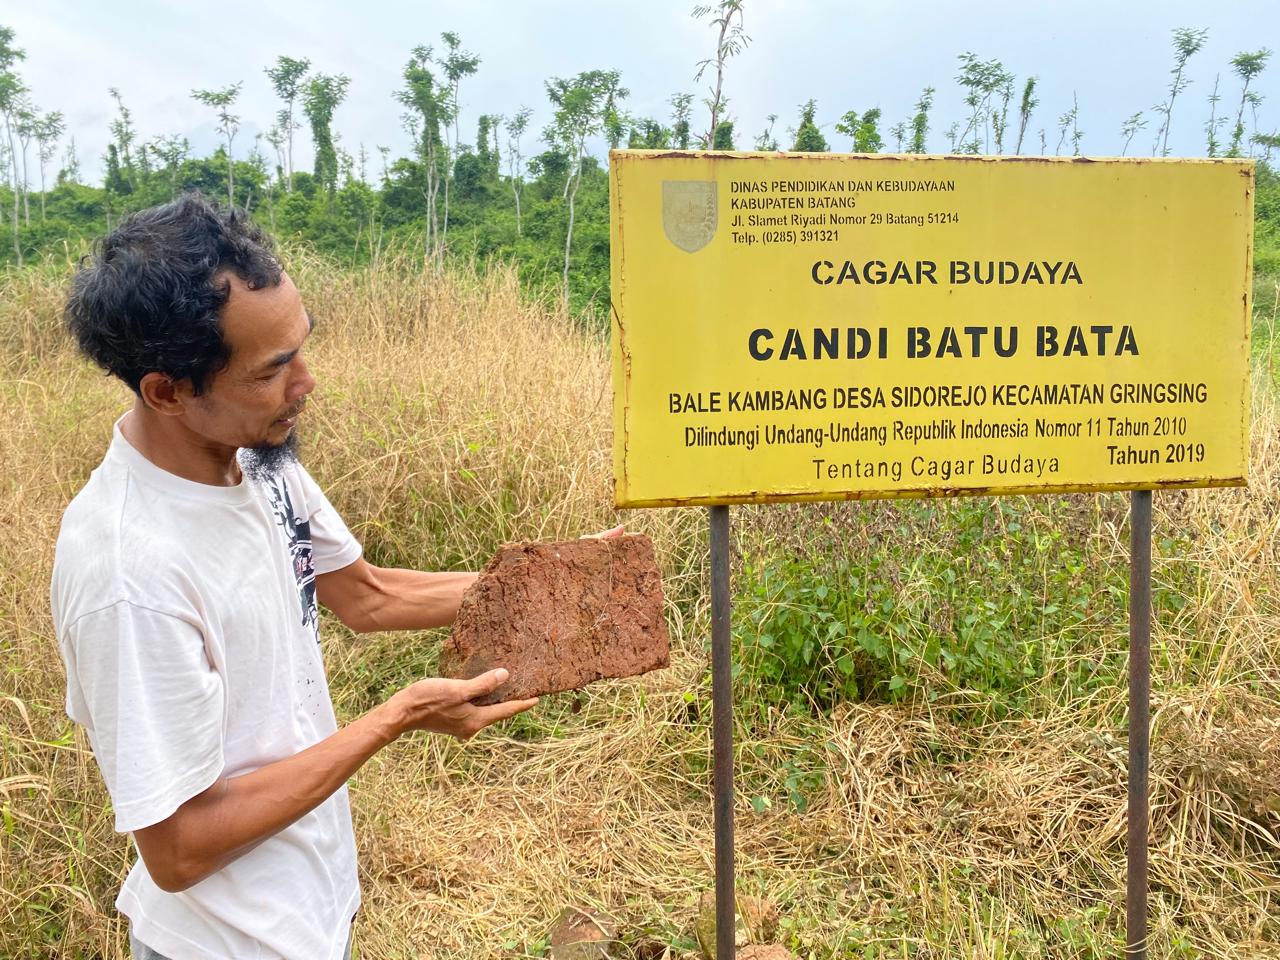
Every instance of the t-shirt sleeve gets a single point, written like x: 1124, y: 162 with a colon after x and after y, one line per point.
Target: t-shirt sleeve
x: 332, y: 544
x: 142, y: 685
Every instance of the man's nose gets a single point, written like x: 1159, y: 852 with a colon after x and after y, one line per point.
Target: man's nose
x: 304, y: 382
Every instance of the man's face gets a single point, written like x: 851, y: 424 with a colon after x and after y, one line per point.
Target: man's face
x: 256, y: 400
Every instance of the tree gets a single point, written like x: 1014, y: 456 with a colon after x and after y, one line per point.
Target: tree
x: 172, y: 150
x: 286, y: 79
x: 4, y: 164
x: 1070, y: 121
x: 766, y: 140
x: 680, y: 132
x: 1215, y: 122
x: 1246, y: 67
x: 726, y: 17
x: 1076, y: 133
x: 48, y: 131
x: 456, y: 64
x: 899, y: 133
x: 723, y: 139
x: 1270, y: 141
x: 70, y: 172
x: 953, y: 134
x: 1000, y: 118
x: 579, y: 114
x: 11, y: 91
x: 809, y: 138
x: 1029, y: 103
x: 320, y: 98
x: 516, y: 127
x: 920, y: 122
x: 615, y: 122
x: 228, y: 124
x: 982, y: 78
x: 1186, y: 44
x: 115, y: 184
x: 25, y: 128
x: 276, y: 137
x: 649, y: 134
x: 123, y: 134
x: 487, y: 153
x: 346, y: 165
x: 864, y: 130
x: 257, y: 162
x: 1131, y: 127
x: 430, y: 110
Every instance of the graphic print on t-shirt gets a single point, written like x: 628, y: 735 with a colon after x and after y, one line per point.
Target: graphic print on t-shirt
x: 298, y: 536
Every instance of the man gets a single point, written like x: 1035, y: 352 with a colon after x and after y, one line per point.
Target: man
x: 184, y: 598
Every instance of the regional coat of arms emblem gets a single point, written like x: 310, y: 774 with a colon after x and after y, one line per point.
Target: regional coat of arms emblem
x: 689, y: 213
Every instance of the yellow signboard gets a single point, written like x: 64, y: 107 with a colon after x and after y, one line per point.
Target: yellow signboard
x: 818, y: 326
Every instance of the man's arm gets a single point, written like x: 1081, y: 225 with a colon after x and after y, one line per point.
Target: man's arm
x: 234, y: 815
x: 368, y: 598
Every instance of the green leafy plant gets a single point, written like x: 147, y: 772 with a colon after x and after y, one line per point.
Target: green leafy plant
x: 912, y: 621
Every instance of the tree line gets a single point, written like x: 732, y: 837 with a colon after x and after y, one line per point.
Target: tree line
x: 539, y: 200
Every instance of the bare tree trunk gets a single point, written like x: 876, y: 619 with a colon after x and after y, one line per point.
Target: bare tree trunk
x: 445, y: 236
x: 26, y: 205
x: 517, y: 194
x: 568, y: 240
x: 451, y: 152
x: 715, y: 104
x: 42, y: 217
x: 575, y: 177
x: 432, y: 191
x: 426, y: 240
x: 439, y: 237
x: 13, y: 164
x: 17, y: 247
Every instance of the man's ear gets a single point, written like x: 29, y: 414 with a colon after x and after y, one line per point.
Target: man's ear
x: 165, y: 395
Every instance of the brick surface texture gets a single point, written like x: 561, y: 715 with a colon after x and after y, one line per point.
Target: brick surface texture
x: 561, y: 615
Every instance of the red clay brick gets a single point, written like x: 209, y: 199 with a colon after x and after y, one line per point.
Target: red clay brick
x: 560, y: 615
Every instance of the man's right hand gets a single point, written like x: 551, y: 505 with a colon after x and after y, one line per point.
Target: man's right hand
x: 441, y: 705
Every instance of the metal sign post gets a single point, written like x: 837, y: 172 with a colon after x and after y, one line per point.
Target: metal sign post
x: 722, y: 729
x: 1139, y: 720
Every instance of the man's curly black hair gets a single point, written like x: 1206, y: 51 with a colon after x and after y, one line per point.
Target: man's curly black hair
x: 148, y: 297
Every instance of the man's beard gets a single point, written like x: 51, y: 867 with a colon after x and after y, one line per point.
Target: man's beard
x: 268, y: 460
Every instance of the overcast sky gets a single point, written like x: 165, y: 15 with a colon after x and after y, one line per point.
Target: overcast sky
x: 1114, y: 56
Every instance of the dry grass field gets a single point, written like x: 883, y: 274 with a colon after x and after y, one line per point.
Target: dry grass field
x: 452, y: 414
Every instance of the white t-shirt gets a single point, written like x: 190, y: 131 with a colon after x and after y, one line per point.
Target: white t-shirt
x: 186, y: 616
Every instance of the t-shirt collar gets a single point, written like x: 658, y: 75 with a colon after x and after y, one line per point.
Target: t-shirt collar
x: 122, y: 451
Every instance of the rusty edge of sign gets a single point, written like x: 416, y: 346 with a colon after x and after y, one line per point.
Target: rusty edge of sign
x: 1247, y: 165
x: 920, y: 493
x: 620, y: 355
